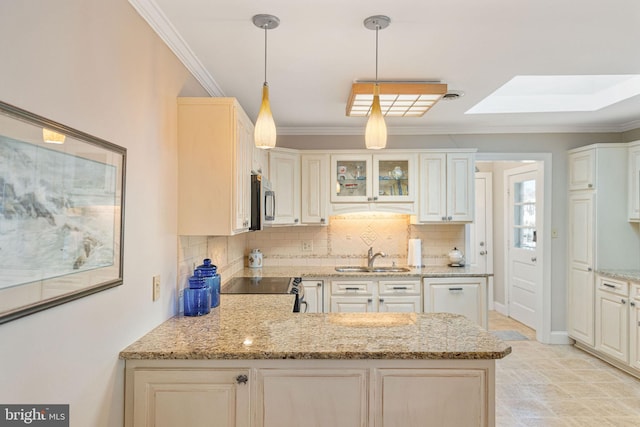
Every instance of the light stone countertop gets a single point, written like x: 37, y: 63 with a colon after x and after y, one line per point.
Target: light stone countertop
x: 320, y: 271
x: 631, y: 275
x: 263, y: 327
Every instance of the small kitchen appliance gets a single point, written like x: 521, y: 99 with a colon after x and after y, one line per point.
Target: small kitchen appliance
x: 456, y: 258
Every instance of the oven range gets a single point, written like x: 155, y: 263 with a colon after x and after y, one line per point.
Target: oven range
x: 268, y: 285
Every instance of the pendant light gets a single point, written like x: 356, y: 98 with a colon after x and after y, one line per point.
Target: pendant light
x: 265, y: 131
x: 375, y: 135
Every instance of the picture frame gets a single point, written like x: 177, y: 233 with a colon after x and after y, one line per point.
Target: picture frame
x: 61, y: 213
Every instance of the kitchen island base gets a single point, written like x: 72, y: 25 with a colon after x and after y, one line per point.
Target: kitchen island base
x: 298, y: 393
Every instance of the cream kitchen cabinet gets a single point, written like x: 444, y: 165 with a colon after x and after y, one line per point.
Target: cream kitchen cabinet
x: 600, y: 236
x: 366, y: 295
x: 634, y: 326
x: 314, y: 193
x: 447, y: 182
x: 284, y: 174
x: 582, y: 169
x: 198, y: 397
x: 431, y: 397
x: 353, y: 296
x: 634, y: 181
x: 612, y: 318
x: 399, y: 296
x: 378, y: 182
x: 581, y: 291
x: 313, y: 397
x: 460, y: 295
x: 215, y: 142
x: 314, y: 295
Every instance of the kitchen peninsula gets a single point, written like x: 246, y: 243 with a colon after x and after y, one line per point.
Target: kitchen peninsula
x: 252, y: 362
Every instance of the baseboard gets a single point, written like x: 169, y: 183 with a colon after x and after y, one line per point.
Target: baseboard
x: 500, y: 308
x: 560, y: 337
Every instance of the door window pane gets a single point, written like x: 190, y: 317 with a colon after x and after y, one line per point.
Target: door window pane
x: 524, y: 214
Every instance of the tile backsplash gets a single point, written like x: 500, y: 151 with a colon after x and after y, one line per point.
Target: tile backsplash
x: 344, y: 241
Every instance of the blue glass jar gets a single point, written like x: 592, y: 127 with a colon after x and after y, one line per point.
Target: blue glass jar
x: 197, y: 297
x: 212, y: 278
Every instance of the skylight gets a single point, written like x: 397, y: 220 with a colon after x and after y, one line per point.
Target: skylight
x: 543, y: 94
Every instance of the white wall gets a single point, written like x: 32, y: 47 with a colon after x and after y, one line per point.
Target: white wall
x: 96, y: 66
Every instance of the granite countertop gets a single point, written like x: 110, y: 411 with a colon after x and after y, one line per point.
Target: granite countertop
x: 263, y: 327
x: 320, y: 271
x: 631, y: 275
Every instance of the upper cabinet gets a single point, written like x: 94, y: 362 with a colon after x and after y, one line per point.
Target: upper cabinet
x: 373, y: 182
x: 447, y: 182
x: 284, y: 173
x: 582, y: 169
x: 634, y: 182
x: 314, y: 193
x: 215, y: 143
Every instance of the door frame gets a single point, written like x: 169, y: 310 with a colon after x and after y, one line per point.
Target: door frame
x: 543, y: 299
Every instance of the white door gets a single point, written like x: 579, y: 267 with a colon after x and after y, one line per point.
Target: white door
x: 479, y: 252
x: 524, y: 258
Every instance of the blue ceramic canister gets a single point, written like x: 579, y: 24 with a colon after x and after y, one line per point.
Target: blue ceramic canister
x: 212, y: 278
x: 197, y: 297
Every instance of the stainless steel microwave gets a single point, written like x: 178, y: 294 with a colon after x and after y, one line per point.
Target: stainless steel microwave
x: 263, y: 203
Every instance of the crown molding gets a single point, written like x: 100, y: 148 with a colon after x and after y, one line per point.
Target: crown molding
x: 158, y: 21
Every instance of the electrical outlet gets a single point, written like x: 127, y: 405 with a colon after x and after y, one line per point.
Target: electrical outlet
x: 307, y: 246
x: 156, y: 287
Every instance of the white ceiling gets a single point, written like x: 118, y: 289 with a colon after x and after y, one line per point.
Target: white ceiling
x: 474, y: 46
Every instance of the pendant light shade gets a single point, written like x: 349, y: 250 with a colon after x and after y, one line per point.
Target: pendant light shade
x: 375, y: 136
x: 265, y: 130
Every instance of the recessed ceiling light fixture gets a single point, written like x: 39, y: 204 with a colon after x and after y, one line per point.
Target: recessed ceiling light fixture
x: 397, y: 99
x: 265, y: 130
x: 544, y: 94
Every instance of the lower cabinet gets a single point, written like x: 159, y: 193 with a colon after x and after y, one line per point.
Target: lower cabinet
x: 364, y: 295
x: 612, y: 318
x: 317, y: 397
x: 461, y: 295
x: 634, y: 326
x: 294, y: 393
x: 421, y: 397
x: 194, y: 398
x: 314, y: 295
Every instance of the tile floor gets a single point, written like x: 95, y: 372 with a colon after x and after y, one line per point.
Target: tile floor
x: 559, y: 385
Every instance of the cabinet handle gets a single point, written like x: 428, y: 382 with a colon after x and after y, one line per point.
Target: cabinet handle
x: 242, y: 379
x: 590, y: 185
x: 369, y: 199
x: 455, y: 289
x: 632, y: 304
x: 319, y: 284
x: 296, y: 220
x: 444, y: 218
x: 622, y: 300
x: 482, y: 252
x: 351, y: 289
x: 609, y: 285
x: 369, y: 299
x: 400, y: 288
x: 322, y: 220
x: 381, y: 300
x: 450, y: 218
x: 534, y: 259
x: 589, y: 269
x: 375, y: 198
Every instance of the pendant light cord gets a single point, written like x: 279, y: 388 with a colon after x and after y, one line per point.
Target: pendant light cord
x: 265, y: 53
x: 377, y: 28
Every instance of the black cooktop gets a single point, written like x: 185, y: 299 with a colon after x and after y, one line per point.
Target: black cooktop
x: 256, y: 285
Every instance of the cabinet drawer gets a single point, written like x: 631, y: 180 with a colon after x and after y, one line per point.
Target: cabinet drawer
x: 614, y: 286
x: 399, y: 287
x: 352, y: 287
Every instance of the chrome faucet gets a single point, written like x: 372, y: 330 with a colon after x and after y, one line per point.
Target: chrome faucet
x: 371, y: 257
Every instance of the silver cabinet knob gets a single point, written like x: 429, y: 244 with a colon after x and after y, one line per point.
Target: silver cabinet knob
x: 242, y: 379
x: 444, y: 218
x: 623, y: 301
x: 450, y: 218
x: 534, y: 259
x: 296, y: 220
x: 590, y: 185
x: 322, y: 220
x: 319, y: 284
x: 632, y: 304
x: 482, y: 252
x: 369, y: 299
x: 481, y: 243
x: 381, y: 300
x: 589, y: 269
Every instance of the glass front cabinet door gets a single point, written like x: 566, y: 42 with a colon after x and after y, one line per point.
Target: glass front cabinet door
x: 373, y: 178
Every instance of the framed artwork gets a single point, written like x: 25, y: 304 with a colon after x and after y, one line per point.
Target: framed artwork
x: 61, y: 213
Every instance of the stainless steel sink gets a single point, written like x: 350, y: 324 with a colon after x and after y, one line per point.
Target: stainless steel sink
x: 350, y: 269
x: 355, y: 269
x: 388, y: 269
